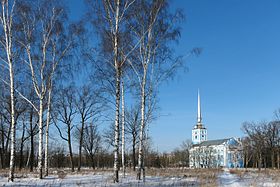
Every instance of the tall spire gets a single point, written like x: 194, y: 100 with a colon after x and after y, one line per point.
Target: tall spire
x: 199, y: 132
x: 199, y: 118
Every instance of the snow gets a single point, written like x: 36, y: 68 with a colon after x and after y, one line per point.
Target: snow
x: 251, y: 178
x: 96, y: 179
x: 225, y: 178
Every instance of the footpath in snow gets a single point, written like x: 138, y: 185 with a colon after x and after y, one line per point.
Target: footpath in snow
x: 251, y: 178
x: 228, y: 179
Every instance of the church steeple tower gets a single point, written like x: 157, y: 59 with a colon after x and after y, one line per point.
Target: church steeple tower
x: 199, y: 132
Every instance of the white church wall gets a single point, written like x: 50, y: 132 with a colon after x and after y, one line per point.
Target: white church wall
x: 228, y: 154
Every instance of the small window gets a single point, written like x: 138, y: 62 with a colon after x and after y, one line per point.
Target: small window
x: 195, y: 137
x: 202, y: 136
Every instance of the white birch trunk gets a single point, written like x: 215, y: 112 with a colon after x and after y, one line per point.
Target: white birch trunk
x: 117, y: 68
x: 123, y: 130
x: 40, y: 153
x: 116, y: 143
x: 47, y: 132
x: 13, y: 126
x: 7, y: 21
x: 142, y: 127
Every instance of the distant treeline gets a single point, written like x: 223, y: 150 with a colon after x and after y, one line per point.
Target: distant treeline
x: 261, y: 146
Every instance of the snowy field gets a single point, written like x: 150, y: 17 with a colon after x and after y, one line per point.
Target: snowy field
x: 163, y: 177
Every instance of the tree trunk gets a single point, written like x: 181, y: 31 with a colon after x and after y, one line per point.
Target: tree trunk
x: 13, y: 123
x: 116, y: 143
x: 117, y: 69
x: 134, y: 152
x: 21, y: 147
x: 123, y: 130
x: 245, y: 161
x: 7, y: 21
x: 260, y: 161
x: 6, y: 150
x: 2, y: 147
x: 278, y: 159
x: 47, y: 133
x: 13, y: 126
x: 40, y: 155
x: 31, y: 163
x: 70, y: 148
x: 272, y: 158
x: 92, y: 161
x: 81, y: 143
x: 142, y: 127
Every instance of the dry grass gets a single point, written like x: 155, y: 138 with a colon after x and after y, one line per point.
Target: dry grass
x: 208, y: 177
x: 275, y: 175
x: 204, y: 177
x: 196, y: 177
x: 61, y: 174
x: 24, y: 173
x: 256, y: 176
x: 241, y: 173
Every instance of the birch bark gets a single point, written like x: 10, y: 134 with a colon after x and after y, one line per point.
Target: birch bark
x: 116, y: 142
x: 7, y: 24
x: 142, y: 126
x: 40, y: 152
x: 117, y: 83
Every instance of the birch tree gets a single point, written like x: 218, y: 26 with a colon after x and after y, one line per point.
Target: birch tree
x: 7, y: 15
x: 45, y: 46
x: 111, y: 19
x: 155, y: 27
x: 114, y: 27
x: 62, y: 42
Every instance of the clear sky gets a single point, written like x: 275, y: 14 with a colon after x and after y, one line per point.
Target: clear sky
x: 237, y: 72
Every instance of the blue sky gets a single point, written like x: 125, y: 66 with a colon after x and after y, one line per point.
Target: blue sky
x: 237, y: 73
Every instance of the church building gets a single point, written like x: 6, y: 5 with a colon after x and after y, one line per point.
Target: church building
x: 213, y: 153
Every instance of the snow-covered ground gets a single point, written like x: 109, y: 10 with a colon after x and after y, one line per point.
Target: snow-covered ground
x: 250, y: 178
x: 98, y: 179
x: 224, y: 178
